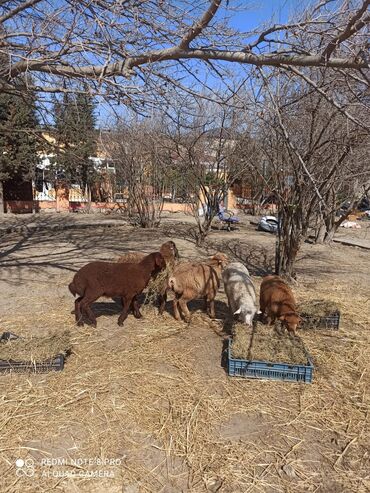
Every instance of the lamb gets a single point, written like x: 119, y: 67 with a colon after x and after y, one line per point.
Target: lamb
x: 113, y: 279
x: 168, y: 250
x: 240, y: 292
x: 277, y: 302
x: 171, y: 255
x: 192, y: 280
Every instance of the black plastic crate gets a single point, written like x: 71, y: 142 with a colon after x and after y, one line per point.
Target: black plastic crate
x: 330, y: 322
x: 269, y: 370
x: 53, y: 364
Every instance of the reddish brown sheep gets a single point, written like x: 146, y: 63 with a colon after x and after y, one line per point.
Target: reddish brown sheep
x: 168, y: 251
x: 112, y: 279
x: 170, y: 254
x: 192, y: 280
x: 277, y: 302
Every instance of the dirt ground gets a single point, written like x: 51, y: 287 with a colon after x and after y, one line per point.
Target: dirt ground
x: 153, y: 400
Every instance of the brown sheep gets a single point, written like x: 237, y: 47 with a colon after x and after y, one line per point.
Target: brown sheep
x: 170, y: 254
x: 192, y: 280
x: 112, y: 279
x: 277, y: 302
x: 168, y: 251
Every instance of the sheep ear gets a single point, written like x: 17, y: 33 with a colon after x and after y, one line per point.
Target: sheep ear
x: 237, y: 311
x: 282, y: 317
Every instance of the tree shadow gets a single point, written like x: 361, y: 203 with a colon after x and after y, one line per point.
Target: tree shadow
x: 258, y: 259
x: 30, y: 252
x: 196, y: 306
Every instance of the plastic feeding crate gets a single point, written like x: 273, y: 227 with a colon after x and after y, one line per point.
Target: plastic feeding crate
x: 268, y: 370
x: 52, y: 364
x: 330, y: 322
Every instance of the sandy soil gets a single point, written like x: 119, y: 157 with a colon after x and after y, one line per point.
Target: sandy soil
x: 154, y: 395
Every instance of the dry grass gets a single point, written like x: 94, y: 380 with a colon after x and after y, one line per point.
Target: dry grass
x: 33, y: 348
x: 155, y: 286
x: 263, y: 343
x: 317, y: 308
x: 314, y: 312
x: 153, y: 394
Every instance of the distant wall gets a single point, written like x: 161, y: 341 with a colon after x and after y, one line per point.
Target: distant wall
x: 176, y: 207
x: 20, y: 206
x: 62, y: 204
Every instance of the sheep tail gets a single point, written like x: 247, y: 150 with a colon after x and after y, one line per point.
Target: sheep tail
x: 72, y: 288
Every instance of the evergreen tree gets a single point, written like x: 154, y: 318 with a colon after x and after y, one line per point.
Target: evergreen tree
x: 18, y: 142
x: 75, y: 134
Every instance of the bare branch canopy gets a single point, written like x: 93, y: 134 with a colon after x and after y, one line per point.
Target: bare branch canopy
x: 107, y: 43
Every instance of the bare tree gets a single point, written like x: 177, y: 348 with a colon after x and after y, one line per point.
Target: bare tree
x: 130, y: 51
x: 315, y: 154
x: 138, y: 156
x: 203, y: 142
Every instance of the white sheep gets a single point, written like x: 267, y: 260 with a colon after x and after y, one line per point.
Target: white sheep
x: 240, y: 292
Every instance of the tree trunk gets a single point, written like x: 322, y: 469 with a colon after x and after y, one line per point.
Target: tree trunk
x: 330, y: 235
x: 88, y: 190
x: 288, y: 245
x: 287, y: 264
x: 201, y: 238
x: 2, y: 211
x: 203, y: 230
x: 320, y: 234
x: 333, y: 225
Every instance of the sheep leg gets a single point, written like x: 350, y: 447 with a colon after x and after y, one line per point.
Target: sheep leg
x: 212, y: 312
x: 184, y: 309
x: 78, y: 314
x: 264, y: 316
x: 270, y: 318
x: 176, y: 311
x: 162, y: 298
x: 85, y: 307
x: 136, y: 308
x: 126, y: 303
x: 206, y: 306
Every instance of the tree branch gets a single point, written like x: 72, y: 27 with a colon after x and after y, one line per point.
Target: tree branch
x: 354, y: 25
x: 198, y: 27
x: 328, y: 98
x: 125, y: 68
x: 280, y: 27
x: 22, y: 6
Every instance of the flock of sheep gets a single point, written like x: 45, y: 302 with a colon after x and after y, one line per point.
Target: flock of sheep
x: 130, y: 275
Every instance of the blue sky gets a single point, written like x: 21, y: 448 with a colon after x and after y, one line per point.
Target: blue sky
x: 252, y: 14
x: 260, y: 11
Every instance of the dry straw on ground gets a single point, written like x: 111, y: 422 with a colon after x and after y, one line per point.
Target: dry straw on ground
x: 317, y: 308
x: 33, y: 348
x: 314, y: 312
x: 264, y: 343
x: 153, y: 395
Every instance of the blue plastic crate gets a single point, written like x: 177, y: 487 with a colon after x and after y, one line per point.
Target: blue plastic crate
x: 329, y: 322
x: 271, y: 371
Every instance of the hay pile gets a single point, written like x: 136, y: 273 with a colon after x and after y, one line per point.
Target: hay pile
x: 35, y: 348
x: 263, y: 343
x: 317, y: 308
x: 155, y: 286
x: 313, y: 311
x: 169, y: 412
